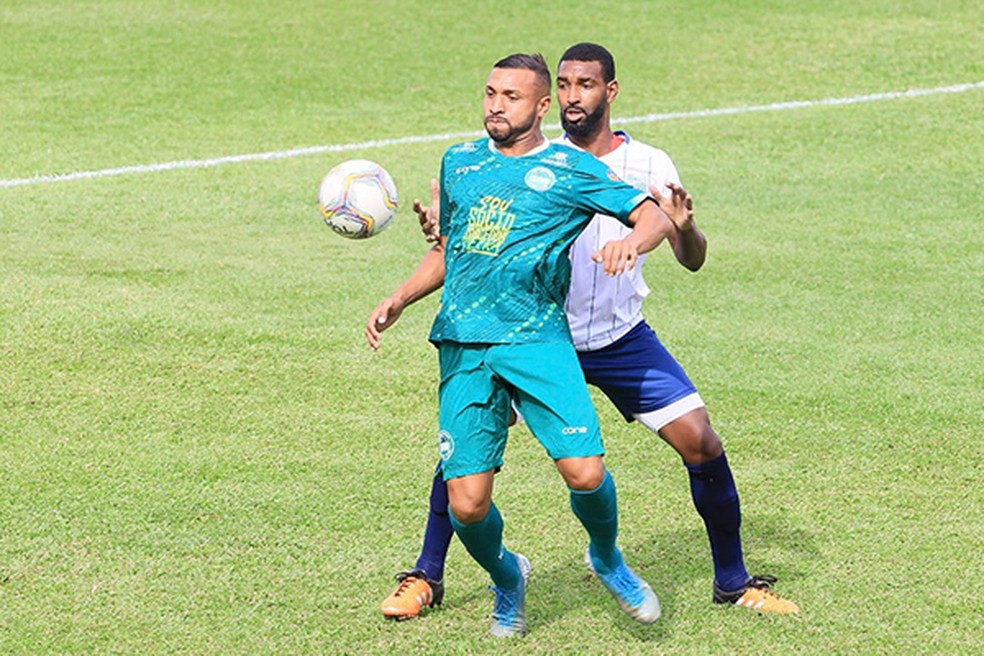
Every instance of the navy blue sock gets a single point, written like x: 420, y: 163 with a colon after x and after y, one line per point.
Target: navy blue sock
x: 716, y: 499
x: 437, y: 537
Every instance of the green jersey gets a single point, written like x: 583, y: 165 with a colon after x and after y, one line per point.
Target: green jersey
x: 509, y: 222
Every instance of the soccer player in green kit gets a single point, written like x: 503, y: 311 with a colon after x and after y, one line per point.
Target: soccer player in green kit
x: 511, y: 206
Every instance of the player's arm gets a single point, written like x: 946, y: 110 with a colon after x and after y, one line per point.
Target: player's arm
x: 428, y: 277
x: 650, y: 226
x: 688, y: 242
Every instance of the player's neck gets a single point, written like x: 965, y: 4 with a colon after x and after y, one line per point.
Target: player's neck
x: 523, y: 144
x: 599, y: 144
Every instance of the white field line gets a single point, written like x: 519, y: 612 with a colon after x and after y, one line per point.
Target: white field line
x: 450, y: 136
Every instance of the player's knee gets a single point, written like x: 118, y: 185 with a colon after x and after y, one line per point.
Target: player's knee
x: 582, y: 474
x: 469, y: 510
x: 694, y: 438
x: 704, y: 445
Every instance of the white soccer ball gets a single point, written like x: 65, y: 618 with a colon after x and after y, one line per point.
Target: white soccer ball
x: 358, y: 199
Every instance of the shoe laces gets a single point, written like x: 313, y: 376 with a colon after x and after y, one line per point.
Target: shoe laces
x: 407, y: 579
x: 506, y: 604
x: 763, y: 582
x: 627, y: 585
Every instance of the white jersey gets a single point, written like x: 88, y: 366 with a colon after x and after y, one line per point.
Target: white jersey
x: 601, y: 309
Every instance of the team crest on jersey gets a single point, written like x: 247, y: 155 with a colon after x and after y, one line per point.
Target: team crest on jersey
x: 612, y: 176
x: 540, y: 178
x: 445, y: 444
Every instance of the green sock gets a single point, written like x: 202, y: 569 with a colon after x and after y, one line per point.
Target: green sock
x: 598, y: 511
x: 483, y: 540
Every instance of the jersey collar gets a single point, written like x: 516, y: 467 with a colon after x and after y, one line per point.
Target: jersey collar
x: 566, y: 140
x: 539, y: 149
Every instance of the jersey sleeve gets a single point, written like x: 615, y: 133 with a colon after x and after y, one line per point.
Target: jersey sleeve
x: 597, y: 188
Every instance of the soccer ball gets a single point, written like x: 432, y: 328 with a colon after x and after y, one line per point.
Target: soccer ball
x: 358, y: 199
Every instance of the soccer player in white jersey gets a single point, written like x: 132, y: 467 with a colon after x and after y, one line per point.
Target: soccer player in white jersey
x: 619, y: 352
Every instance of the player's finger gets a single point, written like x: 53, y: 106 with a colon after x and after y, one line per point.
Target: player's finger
x: 685, y: 198
x: 631, y: 260
x: 372, y: 337
x: 612, y: 259
x: 625, y: 262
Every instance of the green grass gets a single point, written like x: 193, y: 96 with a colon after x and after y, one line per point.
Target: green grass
x: 200, y: 455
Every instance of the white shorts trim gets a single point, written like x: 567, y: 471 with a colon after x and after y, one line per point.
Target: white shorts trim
x: 656, y: 419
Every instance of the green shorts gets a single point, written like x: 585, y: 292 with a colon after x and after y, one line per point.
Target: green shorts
x: 545, y: 382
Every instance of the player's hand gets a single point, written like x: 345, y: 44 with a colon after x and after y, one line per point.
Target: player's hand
x: 679, y: 206
x: 617, y: 256
x: 430, y: 217
x: 384, y: 316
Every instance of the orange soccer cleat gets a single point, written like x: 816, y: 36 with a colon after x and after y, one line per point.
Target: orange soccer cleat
x: 415, y: 592
x: 756, y: 595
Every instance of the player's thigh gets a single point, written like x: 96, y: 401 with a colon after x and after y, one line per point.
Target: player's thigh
x: 548, y: 387
x: 474, y: 412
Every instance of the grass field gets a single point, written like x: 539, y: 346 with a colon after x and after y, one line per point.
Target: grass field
x: 200, y: 455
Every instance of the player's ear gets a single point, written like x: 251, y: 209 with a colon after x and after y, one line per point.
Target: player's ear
x: 543, y: 106
x: 612, y: 90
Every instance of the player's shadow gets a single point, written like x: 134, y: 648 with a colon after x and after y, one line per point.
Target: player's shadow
x: 671, y: 561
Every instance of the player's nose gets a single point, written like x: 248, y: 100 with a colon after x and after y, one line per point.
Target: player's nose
x: 494, y: 104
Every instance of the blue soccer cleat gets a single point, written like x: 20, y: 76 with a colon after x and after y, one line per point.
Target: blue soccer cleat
x: 634, y: 596
x: 509, y: 615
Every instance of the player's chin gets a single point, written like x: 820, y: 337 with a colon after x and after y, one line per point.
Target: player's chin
x: 498, y: 131
x: 572, y: 127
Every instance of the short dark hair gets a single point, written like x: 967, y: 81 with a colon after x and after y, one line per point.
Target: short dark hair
x: 534, y: 62
x: 592, y: 52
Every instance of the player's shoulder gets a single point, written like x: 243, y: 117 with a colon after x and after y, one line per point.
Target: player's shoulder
x: 563, y: 154
x: 641, y: 164
x: 641, y: 150
x: 467, y: 148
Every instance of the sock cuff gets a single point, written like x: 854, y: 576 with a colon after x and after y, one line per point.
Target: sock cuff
x: 492, y: 514
x: 710, y: 467
x: 605, y: 481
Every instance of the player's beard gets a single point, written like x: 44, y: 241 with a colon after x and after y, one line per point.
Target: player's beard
x: 587, y: 126
x: 504, y: 132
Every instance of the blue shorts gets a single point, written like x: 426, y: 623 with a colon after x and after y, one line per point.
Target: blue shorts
x: 639, y: 375
x: 542, y: 379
